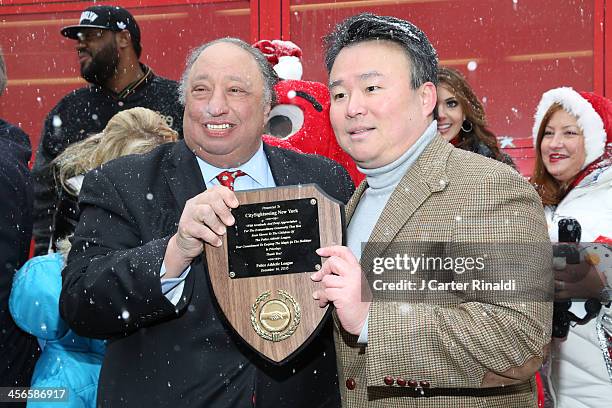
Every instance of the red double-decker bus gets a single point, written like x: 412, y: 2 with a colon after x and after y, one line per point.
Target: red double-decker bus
x: 510, y: 51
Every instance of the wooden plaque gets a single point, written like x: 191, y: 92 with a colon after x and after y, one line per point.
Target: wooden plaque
x: 260, y: 275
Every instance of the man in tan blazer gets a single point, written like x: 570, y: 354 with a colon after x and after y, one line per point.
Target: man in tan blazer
x: 467, y: 347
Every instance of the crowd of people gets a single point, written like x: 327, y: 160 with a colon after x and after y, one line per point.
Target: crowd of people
x: 135, y: 174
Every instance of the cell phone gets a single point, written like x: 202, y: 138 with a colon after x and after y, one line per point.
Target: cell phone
x: 569, y: 230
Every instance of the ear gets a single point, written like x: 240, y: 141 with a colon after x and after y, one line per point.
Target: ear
x: 429, y: 98
x: 267, y: 109
x: 123, y: 39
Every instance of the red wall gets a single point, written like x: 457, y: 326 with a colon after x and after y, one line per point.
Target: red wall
x: 522, y: 47
x: 43, y: 66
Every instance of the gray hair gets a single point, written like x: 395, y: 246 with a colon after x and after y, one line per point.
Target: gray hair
x: 270, y: 78
x: 370, y: 27
x: 3, y: 77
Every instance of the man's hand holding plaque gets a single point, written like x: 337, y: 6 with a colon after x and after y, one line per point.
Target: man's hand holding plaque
x: 204, y: 220
x: 343, y: 285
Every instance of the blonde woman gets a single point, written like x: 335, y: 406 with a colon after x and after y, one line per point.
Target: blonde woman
x: 68, y: 360
x: 133, y: 131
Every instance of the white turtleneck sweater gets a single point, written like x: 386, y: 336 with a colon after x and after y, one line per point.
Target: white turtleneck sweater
x: 382, y: 182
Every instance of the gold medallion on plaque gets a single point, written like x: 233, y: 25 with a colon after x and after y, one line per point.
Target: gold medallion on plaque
x: 275, y: 319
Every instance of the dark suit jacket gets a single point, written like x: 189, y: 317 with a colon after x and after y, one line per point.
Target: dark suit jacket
x: 159, y: 354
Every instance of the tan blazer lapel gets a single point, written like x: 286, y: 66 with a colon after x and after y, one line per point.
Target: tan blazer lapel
x: 426, y: 176
x: 350, y: 207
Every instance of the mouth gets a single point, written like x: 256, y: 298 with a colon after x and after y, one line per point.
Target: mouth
x: 359, y: 131
x: 555, y: 157
x: 223, y: 126
x: 83, y: 57
x: 218, y: 128
x: 444, y: 127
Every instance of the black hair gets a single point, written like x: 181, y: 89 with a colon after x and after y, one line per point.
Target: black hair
x: 370, y: 27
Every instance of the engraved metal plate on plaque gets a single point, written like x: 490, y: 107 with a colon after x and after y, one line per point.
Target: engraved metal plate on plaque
x: 274, y: 238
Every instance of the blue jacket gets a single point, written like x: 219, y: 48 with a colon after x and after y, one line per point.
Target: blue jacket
x: 67, y: 360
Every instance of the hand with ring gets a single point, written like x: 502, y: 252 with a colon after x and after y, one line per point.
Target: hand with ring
x: 577, y: 281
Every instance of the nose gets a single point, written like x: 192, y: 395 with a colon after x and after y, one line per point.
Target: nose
x: 79, y: 45
x: 441, y: 111
x: 355, y: 105
x: 556, y: 141
x: 217, y: 104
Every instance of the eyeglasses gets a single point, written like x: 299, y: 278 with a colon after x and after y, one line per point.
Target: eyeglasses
x: 90, y: 35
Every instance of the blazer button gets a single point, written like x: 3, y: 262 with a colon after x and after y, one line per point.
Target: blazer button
x: 388, y: 380
x: 425, y: 384
x: 350, y: 384
x: 401, y: 382
x: 413, y: 383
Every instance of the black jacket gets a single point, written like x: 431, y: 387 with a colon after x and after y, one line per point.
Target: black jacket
x: 186, y: 356
x: 18, y: 350
x: 83, y: 112
x: 484, y: 150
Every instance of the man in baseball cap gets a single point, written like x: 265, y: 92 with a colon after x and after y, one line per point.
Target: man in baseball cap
x: 111, y: 18
x: 108, y: 48
x: 95, y: 23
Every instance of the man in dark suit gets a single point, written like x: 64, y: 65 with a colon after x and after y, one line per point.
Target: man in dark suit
x: 138, y: 276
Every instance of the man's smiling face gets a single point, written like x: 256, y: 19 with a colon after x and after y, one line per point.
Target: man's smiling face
x: 375, y: 113
x: 225, y: 108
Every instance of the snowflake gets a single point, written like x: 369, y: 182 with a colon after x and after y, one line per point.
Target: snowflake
x: 506, y: 142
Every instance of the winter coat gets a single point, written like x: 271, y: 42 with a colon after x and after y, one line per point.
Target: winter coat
x: 67, y: 360
x: 83, y: 112
x: 18, y: 350
x: 484, y: 150
x: 19, y: 139
x: 580, y: 370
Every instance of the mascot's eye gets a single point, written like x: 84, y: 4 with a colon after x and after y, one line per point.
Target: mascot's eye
x: 284, y: 121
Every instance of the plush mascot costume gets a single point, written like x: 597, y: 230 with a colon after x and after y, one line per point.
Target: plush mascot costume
x: 300, y: 120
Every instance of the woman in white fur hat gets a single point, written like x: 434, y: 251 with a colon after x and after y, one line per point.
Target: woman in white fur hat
x: 573, y: 175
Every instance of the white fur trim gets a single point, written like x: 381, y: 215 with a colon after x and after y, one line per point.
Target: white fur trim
x: 588, y: 119
x: 289, y: 67
x: 76, y: 183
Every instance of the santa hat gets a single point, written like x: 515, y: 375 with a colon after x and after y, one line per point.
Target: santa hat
x: 285, y: 57
x: 593, y: 114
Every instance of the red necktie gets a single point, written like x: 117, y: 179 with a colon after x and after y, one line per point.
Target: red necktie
x: 227, y: 178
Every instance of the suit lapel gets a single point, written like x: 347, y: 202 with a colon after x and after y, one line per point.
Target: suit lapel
x: 351, y: 206
x: 425, y: 177
x: 183, y: 174
x: 283, y: 173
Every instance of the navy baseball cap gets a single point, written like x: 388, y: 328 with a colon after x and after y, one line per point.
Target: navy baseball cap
x: 111, y: 18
